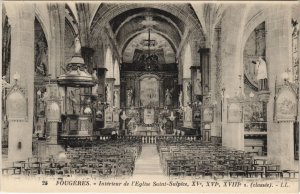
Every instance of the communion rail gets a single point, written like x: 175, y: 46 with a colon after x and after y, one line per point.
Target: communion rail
x: 151, y: 139
x: 144, y: 139
x: 154, y: 139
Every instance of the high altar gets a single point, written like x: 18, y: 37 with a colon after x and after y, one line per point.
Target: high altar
x: 149, y: 95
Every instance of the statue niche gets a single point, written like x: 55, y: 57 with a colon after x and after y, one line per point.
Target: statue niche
x: 168, y: 98
x: 41, y: 50
x: 41, y: 96
x: 129, y: 97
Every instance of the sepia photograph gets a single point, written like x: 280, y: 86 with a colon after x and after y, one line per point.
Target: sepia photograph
x: 150, y: 96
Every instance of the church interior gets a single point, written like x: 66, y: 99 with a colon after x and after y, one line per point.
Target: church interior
x: 185, y: 89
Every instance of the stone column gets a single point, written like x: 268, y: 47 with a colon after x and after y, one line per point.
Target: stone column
x: 56, y: 42
x: 232, y: 132
x: 117, y: 96
x: 21, y: 18
x: 109, y: 94
x: 216, y: 86
x: 187, y: 99
x: 278, y: 57
x: 53, y: 116
x: 231, y: 30
x: 101, y: 82
x: 188, y: 120
x: 87, y: 54
x: 123, y: 95
x: 53, y: 126
x: 53, y: 112
x: 185, y: 92
x: 52, y: 148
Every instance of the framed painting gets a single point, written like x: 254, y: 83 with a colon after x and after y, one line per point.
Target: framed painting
x: 17, y: 104
x: 235, y: 113
x: 208, y: 114
x: 285, y: 105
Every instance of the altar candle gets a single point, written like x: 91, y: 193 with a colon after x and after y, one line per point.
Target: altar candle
x: 172, y: 114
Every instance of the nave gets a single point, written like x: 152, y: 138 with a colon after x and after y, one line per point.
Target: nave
x: 167, y: 158
x: 181, y: 90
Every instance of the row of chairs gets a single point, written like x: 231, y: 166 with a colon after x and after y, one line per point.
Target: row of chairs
x: 106, y: 159
x: 201, y: 159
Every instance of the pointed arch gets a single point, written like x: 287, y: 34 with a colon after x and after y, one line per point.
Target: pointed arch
x: 71, y: 6
x: 41, y: 16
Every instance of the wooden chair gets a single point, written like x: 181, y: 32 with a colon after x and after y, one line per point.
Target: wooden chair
x: 291, y: 173
x: 273, y: 170
x: 175, y: 172
x: 255, y: 171
x: 200, y: 172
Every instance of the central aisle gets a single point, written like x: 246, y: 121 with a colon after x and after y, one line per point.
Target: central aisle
x: 148, y: 162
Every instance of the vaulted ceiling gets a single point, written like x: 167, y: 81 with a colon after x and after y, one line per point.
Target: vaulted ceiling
x: 130, y: 24
x: 139, y: 42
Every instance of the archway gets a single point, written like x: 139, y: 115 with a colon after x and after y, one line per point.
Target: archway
x: 149, y: 40
x: 255, y: 108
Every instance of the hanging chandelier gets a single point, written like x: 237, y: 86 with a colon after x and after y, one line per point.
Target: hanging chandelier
x: 151, y: 60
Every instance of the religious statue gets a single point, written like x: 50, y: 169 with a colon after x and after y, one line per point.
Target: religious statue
x: 198, y: 84
x: 42, y: 97
x: 99, y: 114
x: 77, y: 45
x: 73, y: 101
x: 180, y: 98
x: 95, y: 75
x: 161, y: 125
x: 41, y: 69
x: 262, y: 76
x: 95, y: 90
x: 188, y: 113
x: 129, y: 97
x: 41, y: 57
x: 115, y: 97
x: 168, y: 98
